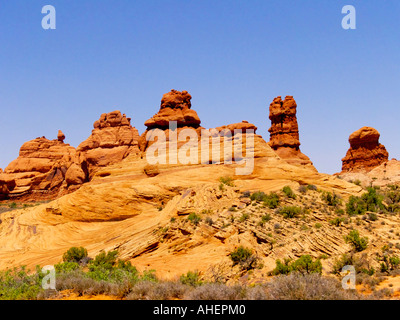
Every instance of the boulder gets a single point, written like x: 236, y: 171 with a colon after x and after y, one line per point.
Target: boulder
x: 365, y: 152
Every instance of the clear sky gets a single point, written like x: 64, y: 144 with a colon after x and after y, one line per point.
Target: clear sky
x: 232, y: 56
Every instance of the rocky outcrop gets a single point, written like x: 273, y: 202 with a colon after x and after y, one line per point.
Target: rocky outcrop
x: 365, y: 153
x: 175, y: 106
x: 284, y: 131
x: 41, y: 167
x: 112, y: 140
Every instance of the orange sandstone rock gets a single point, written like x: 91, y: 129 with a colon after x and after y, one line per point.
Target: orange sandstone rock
x: 284, y: 131
x: 365, y: 153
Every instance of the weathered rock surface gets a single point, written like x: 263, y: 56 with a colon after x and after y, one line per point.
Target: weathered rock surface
x: 365, y: 153
x: 284, y: 131
x: 41, y: 166
x: 175, y: 106
x: 112, y: 139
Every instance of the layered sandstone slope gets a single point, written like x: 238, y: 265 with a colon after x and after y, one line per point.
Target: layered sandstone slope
x: 40, y: 167
x: 123, y: 208
x: 284, y: 131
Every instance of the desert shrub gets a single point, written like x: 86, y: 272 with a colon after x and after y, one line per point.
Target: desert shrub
x: 244, y: 217
x: 303, y: 189
x: 75, y: 254
x: 148, y: 290
x: 228, y: 181
x: 12, y: 205
x: 106, y: 267
x: 282, y: 267
x: 18, y: 284
x: 373, y: 200
x: 216, y: 291
x: 194, y: 218
x: 289, y: 192
x: 372, y: 216
x: 271, y: 200
x: 355, y: 206
x: 304, y: 265
x: 209, y: 221
x: 336, y: 221
x: 339, y: 211
x: 313, y: 286
x: 265, y: 218
x: 245, y: 194
x: 245, y: 258
x: 191, y: 278
x: 312, y: 187
x: 290, y: 211
x: 66, y: 267
x: 388, y: 261
x: 258, y: 196
x: 332, y: 199
x: 356, y: 241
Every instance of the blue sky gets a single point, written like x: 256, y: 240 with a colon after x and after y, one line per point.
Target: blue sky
x: 232, y: 56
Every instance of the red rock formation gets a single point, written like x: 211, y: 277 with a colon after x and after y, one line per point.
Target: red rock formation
x: 284, y: 131
x: 175, y: 106
x: 242, y: 126
x: 112, y: 139
x: 40, y: 167
x: 60, y: 136
x: 365, y: 151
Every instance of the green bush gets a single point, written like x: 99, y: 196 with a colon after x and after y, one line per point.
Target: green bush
x: 265, y: 218
x: 228, y: 181
x: 258, y: 196
x: 290, y: 212
x: 272, y: 200
x: 194, y: 218
x: 336, y: 221
x: 332, y: 200
x: 355, y: 206
x: 18, y: 284
x: 66, y: 267
x: 289, y: 192
x: 240, y: 254
x: 75, y: 254
x: 304, y: 265
x: 244, y: 217
x: 245, y: 258
x: 190, y: 278
x: 373, y: 200
x: 356, y: 241
x: 12, y: 205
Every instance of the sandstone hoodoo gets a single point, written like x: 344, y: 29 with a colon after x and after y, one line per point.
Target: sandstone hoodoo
x: 40, y: 167
x: 112, y: 140
x: 284, y: 131
x: 365, y: 153
x: 175, y: 106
